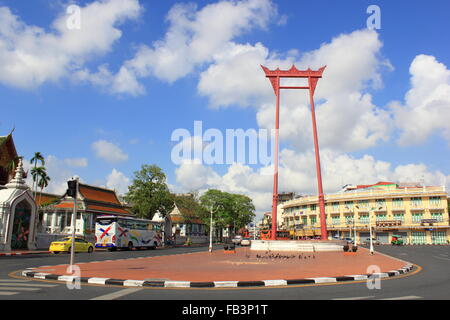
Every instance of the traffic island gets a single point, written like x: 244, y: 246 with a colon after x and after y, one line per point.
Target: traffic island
x: 245, y: 268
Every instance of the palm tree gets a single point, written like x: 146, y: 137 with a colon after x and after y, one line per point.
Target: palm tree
x: 37, y: 172
x: 37, y: 157
x: 43, y: 183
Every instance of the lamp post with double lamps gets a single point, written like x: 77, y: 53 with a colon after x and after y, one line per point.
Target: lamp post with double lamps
x: 354, y: 225
x: 370, y: 228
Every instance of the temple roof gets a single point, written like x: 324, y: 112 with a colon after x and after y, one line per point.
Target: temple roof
x: 96, y: 200
x: 8, y: 153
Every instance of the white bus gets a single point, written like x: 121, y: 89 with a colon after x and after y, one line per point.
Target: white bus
x: 114, y: 232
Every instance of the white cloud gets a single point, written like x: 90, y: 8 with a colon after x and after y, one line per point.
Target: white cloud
x: 32, y: 56
x: 343, y: 106
x: 427, y: 103
x: 108, y: 151
x: 191, y: 175
x: 193, y: 37
x: 59, y: 172
x: 117, y: 181
x: 76, y: 162
x: 297, y: 172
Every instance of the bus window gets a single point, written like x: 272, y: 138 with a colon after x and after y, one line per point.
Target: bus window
x: 141, y: 225
x: 106, y: 221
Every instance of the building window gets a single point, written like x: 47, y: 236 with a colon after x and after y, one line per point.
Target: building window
x: 397, y: 203
x: 438, y: 216
x: 313, y: 207
x: 381, y: 217
x: 364, y: 218
x: 439, y: 237
x: 348, y: 204
x: 335, y: 206
x: 417, y: 217
x: 419, y: 238
x: 416, y: 202
x: 380, y: 203
x: 399, y: 217
x: 313, y: 220
x: 336, y: 219
x: 305, y: 221
x: 363, y: 203
x: 435, y: 201
x: 349, y: 219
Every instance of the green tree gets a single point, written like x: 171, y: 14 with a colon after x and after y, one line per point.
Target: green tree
x: 149, y: 192
x: 44, y: 179
x: 189, y: 207
x: 38, y: 157
x: 229, y: 210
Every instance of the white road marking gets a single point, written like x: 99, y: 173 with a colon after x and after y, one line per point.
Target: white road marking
x: 354, y: 298
x: 19, y: 288
x: 7, y: 293
x: 403, y: 298
x: 27, y: 285
x: 117, y: 294
x: 225, y: 284
x: 269, y: 283
x: 323, y: 280
x: 440, y: 258
x: 97, y: 280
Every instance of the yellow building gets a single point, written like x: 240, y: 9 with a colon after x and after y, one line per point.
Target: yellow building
x: 417, y: 213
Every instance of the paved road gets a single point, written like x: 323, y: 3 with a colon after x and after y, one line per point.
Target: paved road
x: 432, y: 282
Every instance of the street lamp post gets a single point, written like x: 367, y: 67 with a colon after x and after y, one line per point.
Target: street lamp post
x: 354, y: 224
x: 370, y: 229
x: 73, y: 192
x: 211, y: 227
x: 210, y: 233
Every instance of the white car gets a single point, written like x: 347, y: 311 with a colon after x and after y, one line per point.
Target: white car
x: 246, y: 242
x: 237, y: 240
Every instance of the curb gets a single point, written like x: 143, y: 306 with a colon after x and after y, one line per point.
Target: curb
x: 9, y: 254
x: 214, y: 284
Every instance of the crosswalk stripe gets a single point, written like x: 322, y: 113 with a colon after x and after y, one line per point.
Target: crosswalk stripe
x: 19, y: 289
x: 354, y: 298
x: 117, y: 294
x: 28, y: 285
x: 7, y: 293
x: 403, y: 298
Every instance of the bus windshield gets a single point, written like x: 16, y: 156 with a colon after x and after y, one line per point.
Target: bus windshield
x: 106, y: 221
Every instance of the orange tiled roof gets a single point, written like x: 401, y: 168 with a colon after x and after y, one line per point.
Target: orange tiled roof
x: 181, y: 219
x: 45, y: 199
x: 98, y: 194
x: 64, y: 205
x: 107, y: 209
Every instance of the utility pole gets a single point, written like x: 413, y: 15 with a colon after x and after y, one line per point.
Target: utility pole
x: 72, y: 191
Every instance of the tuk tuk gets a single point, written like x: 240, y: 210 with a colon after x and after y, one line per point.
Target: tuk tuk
x: 397, y: 240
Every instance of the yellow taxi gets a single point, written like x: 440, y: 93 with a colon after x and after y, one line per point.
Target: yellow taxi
x: 65, y: 244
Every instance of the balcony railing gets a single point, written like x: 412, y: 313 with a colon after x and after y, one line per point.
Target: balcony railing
x: 371, y: 193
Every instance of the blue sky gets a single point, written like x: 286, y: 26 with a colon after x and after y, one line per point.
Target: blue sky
x: 101, y: 101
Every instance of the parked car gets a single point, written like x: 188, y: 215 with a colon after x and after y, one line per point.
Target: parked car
x: 246, y: 242
x: 374, y: 241
x: 349, y: 240
x: 65, y: 244
x: 237, y: 240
